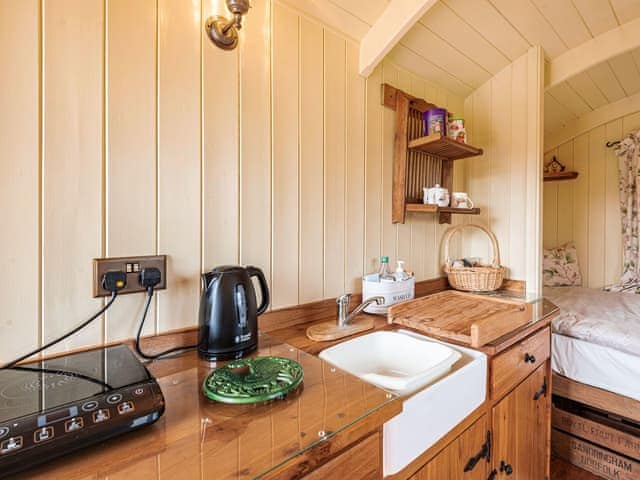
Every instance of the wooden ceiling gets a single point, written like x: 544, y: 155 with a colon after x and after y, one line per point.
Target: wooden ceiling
x: 367, y: 11
x: 460, y: 44
x: 466, y: 42
x: 605, y: 83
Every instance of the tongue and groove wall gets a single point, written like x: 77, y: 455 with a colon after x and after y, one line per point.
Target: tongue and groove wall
x: 587, y: 210
x: 123, y: 131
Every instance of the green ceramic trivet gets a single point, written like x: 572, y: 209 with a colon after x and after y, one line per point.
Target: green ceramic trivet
x: 253, y: 380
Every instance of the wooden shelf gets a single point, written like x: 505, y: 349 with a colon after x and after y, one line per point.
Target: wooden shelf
x: 444, y: 147
x: 556, y: 177
x: 418, y: 161
x: 427, y: 208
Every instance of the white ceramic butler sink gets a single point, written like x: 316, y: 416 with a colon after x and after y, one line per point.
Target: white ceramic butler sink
x: 442, y: 384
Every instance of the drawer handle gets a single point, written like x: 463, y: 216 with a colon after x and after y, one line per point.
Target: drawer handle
x: 529, y: 358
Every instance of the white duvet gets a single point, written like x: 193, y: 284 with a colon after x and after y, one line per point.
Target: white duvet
x: 604, y: 318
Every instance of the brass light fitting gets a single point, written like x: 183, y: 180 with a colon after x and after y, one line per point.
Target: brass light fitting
x: 223, y: 32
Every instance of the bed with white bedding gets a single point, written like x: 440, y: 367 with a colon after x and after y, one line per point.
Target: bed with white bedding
x: 596, y: 339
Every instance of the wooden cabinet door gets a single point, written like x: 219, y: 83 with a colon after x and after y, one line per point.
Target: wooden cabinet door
x: 521, y: 430
x: 450, y: 463
x: 362, y: 462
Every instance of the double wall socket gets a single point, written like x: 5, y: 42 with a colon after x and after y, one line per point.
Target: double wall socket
x: 132, y: 266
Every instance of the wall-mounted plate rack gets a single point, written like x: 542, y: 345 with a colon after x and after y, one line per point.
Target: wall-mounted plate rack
x: 420, y: 161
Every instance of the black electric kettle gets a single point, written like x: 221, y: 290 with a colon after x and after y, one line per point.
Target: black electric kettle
x: 228, y: 312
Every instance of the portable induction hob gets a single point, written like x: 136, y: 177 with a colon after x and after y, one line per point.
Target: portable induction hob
x: 50, y: 408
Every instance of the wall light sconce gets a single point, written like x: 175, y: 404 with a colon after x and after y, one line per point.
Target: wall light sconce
x: 224, y: 32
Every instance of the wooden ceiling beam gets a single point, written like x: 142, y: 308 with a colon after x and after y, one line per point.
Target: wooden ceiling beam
x: 396, y: 20
x: 610, y: 44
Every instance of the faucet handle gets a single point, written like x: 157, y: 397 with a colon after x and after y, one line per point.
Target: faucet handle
x: 344, y: 300
x: 378, y: 299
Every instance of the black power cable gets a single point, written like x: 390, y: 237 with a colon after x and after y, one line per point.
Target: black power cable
x: 149, y: 278
x: 13, y: 363
x: 112, y: 281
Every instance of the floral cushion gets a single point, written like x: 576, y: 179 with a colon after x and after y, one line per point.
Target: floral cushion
x: 560, y: 266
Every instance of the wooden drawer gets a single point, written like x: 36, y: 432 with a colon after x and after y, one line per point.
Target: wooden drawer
x: 514, y: 365
x: 362, y: 461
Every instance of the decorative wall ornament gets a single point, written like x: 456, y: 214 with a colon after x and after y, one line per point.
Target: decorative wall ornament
x: 554, y: 166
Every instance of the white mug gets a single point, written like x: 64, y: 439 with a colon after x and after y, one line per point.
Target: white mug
x: 461, y: 200
x: 442, y: 198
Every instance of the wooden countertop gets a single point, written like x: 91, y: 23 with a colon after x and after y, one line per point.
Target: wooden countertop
x: 198, y: 438
x: 542, y: 312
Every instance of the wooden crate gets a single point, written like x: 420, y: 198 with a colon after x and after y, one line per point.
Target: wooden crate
x: 619, y: 441
x: 593, y: 458
x: 461, y: 317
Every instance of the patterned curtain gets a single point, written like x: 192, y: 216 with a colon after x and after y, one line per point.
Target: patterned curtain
x: 628, y: 152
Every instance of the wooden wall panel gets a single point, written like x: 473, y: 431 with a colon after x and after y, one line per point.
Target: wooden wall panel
x: 72, y: 166
x: 422, y: 226
x: 154, y: 141
x: 20, y: 162
x: 285, y: 157
x: 532, y: 209
x: 335, y: 143
x: 587, y: 209
x: 403, y: 230
x: 500, y: 183
x: 312, y: 259
x: 389, y: 230
x: 505, y: 121
x: 612, y: 217
x: 130, y: 148
x: 581, y: 195
x: 255, y: 139
x: 355, y: 167
x: 565, y: 197
x: 479, y: 173
x: 373, y: 173
x: 595, y: 204
x: 550, y: 216
x: 518, y: 174
x: 221, y: 161
x: 179, y: 160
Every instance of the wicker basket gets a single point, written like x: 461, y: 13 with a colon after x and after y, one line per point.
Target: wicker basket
x: 473, y: 279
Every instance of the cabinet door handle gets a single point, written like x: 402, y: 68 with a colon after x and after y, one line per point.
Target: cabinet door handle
x: 506, y: 468
x: 528, y: 358
x: 485, y: 452
x: 493, y: 475
x: 542, y: 391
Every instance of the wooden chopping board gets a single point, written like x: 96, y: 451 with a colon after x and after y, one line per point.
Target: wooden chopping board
x: 465, y: 318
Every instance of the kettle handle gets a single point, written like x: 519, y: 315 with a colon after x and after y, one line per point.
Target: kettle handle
x: 256, y: 272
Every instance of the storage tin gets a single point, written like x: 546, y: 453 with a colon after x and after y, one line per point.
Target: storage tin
x: 393, y: 292
x: 435, y: 121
